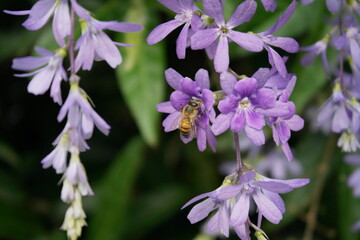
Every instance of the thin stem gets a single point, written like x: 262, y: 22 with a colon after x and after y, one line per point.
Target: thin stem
x: 239, y: 162
x: 72, y: 43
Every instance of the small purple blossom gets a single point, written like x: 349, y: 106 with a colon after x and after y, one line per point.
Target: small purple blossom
x: 205, y: 37
x: 239, y: 109
x: 40, y: 14
x: 94, y: 44
x: 185, y: 15
x: 318, y: 48
x: 186, y: 90
x: 49, y: 72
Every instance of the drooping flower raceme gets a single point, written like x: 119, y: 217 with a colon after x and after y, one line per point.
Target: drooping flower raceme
x: 187, y: 90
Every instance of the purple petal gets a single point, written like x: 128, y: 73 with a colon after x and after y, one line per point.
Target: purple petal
x: 264, y: 98
x: 242, y: 231
x: 181, y: 42
x: 247, y: 177
x: 117, y: 26
x: 80, y: 11
x: 353, y: 159
x: 276, y: 199
x: 204, y: 38
x: 40, y: 14
x: 288, y: 44
x: 333, y: 5
x: 341, y: 119
x: 355, y: 52
x: 248, y: 41
x: 267, y: 208
x: 214, y: 9
x: 41, y: 81
x: 254, y: 119
x: 284, y: 18
x: 228, y: 104
x: 246, y: 87
x: 173, y: 78
x: 238, y: 121
x: 222, y: 123
x: 227, y: 192
x: 219, y: 222
x: 202, y: 79
x: 256, y: 136
x: 201, y: 138
x: 283, y: 131
x: 201, y: 211
x: 269, y: 5
x: 173, y: 5
x: 195, y: 199
x: 326, y: 111
x: 29, y: 63
x: 280, y: 109
x: 211, y: 139
x: 189, y: 87
x: 171, y: 122
x: 179, y: 100
x: 208, y: 99
x: 165, y: 107
x: 221, y: 59
x: 61, y: 22
x: 261, y: 75
x: 275, y: 187
x: 240, y: 212
x: 86, y: 54
x: 161, y: 31
x: 295, y: 123
x: 294, y: 183
x: 227, y: 82
x: 308, y: 58
x: 19, y: 13
x: 287, y: 151
x: 106, y: 49
x: 277, y: 62
x: 243, y: 13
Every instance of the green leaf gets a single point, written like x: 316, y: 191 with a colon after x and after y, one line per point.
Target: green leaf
x: 108, y: 220
x: 141, y: 76
x: 155, y: 208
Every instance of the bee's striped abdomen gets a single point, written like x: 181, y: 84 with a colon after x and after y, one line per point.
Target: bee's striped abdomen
x: 185, y: 127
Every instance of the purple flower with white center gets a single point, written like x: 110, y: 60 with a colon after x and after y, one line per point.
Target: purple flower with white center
x: 40, y: 14
x: 354, y: 179
x: 50, y: 72
x: 77, y: 108
x: 239, y: 109
x: 185, y: 15
x: 94, y: 44
x: 185, y: 91
x: 57, y: 158
x: 285, y: 43
x: 224, y: 31
x: 318, y: 48
x: 232, y: 202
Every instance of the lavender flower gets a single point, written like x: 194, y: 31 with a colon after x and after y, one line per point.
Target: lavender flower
x: 318, y: 48
x: 40, y: 14
x: 57, y: 158
x: 50, y: 73
x: 94, y: 44
x: 239, y: 109
x: 185, y: 15
x: 232, y: 202
x: 204, y: 38
x: 185, y: 91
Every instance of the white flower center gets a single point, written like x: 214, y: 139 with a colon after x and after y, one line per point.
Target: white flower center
x: 244, y: 103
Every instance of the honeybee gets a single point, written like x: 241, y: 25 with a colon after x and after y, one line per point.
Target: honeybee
x: 189, y: 113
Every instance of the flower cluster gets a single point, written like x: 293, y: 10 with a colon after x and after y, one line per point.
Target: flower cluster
x: 48, y: 73
x: 340, y: 113
x: 246, y: 104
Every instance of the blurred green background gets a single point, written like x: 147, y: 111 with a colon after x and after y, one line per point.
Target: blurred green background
x: 142, y: 176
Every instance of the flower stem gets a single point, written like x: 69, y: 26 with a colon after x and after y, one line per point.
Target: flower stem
x: 239, y: 162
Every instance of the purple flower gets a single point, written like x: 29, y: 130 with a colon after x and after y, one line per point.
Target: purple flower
x: 81, y: 116
x: 185, y: 14
x: 285, y: 43
x: 354, y: 179
x: 50, y: 73
x: 318, y: 48
x: 232, y: 202
x: 224, y: 31
x: 57, y: 158
x: 239, y: 109
x: 94, y: 44
x: 187, y: 90
x: 40, y: 14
